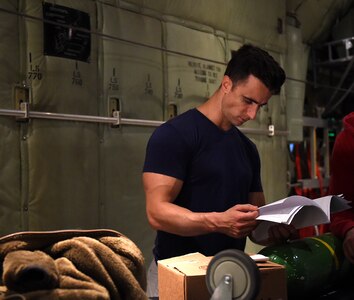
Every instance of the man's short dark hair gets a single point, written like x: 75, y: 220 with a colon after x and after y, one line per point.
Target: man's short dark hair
x: 249, y: 60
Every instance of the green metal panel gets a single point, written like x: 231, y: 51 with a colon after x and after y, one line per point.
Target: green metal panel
x: 251, y: 19
x: 122, y: 158
x: 61, y: 157
x: 132, y: 75
x: 132, y: 72
x: 194, y: 76
x: 63, y: 175
x: 10, y: 130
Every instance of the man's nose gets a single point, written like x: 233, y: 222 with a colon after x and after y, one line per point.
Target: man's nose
x: 252, y: 111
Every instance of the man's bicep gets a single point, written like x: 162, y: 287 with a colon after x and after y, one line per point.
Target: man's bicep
x: 160, y: 192
x: 160, y: 187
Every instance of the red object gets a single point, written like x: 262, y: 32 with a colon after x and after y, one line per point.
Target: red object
x: 307, y: 192
x: 342, y: 175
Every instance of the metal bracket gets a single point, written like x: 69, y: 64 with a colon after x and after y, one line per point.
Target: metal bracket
x: 116, y: 114
x: 223, y: 290
x: 24, y: 106
x: 114, y: 109
x: 21, y: 95
x: 271, y: 130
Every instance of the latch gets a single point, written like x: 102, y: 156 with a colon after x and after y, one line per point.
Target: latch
x: 21, y: 96
x: 114, y: 109
x: 271, y: 129
x: 172, y: 110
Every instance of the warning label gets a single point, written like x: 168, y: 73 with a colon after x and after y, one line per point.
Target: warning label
x: 205, y: 72
x: 66, y: 32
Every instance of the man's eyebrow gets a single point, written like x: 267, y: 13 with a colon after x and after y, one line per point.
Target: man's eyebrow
x: 255, y: 102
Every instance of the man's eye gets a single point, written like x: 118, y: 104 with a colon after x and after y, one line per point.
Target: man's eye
x: 247, y: 101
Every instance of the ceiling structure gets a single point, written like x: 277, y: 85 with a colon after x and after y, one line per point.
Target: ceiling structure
x: 328, y: 28
x: 318, y: 17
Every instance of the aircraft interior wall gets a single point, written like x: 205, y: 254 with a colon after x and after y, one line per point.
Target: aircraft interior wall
x: 61, y: 174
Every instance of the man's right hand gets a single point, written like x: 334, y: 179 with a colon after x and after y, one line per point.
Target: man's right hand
x: 239, y: 220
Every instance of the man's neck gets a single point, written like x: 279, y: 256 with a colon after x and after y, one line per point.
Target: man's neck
x: 212, y: 110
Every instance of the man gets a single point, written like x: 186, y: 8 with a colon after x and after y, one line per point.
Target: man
x: 342, y: 182
x: 201, y: 174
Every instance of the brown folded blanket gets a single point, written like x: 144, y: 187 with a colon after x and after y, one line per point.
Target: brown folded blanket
x: 72, y: 264
x: 25, y: 271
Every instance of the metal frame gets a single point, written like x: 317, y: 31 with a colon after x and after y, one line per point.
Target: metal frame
x: 313, y: 182
x: 344, y: 59
x: 347, y: 44
x: 24, y: 114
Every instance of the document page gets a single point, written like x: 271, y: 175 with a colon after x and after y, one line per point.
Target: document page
x: 332, y: 204
x: 299, y: 211
x: 283, y: 210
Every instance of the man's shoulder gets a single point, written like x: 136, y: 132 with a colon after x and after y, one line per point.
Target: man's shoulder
x: 182, y: 123
x: 246, y: 140
x: 177, y: 127
x: 185, y: 117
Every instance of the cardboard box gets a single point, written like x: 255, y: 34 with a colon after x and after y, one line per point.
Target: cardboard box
x: 273, y: 282
x: 183, y: 278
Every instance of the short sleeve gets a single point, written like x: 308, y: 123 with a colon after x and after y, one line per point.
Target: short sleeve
x: 167, y: 153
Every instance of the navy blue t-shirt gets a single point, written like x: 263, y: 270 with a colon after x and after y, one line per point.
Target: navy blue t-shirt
x: 218, y: 169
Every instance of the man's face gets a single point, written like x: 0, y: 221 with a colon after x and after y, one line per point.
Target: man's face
x: 242, y: 101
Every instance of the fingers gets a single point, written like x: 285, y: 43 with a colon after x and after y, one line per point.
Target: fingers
x: 245, y: 212
x: 281, y: 233
x: 246, y: 207
x: 237, y: 228
x: 239, y: 220
x: 242, y: 226
x: 241, y: 231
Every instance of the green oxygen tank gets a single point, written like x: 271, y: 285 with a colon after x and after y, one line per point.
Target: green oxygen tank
x: 313, y: 264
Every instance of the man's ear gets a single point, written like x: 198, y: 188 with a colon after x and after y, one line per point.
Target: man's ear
x: 226, y: 84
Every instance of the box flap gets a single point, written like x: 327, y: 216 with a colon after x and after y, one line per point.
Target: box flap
x: 269, y: 265
x: 193, y: 264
